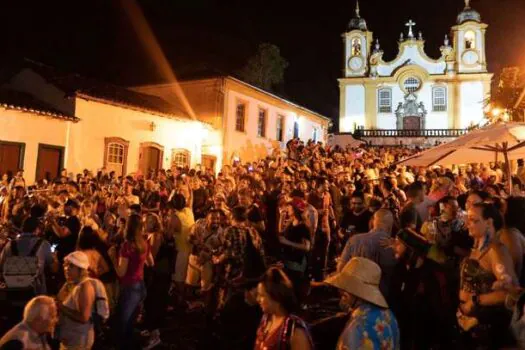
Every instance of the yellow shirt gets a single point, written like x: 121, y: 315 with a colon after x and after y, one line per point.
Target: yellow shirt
x: 186, y: 222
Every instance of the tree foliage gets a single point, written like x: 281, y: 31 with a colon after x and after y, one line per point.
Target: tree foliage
x: 505, y: 92
x: 266, y: 68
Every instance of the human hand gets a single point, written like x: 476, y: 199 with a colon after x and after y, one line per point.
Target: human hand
x: 468, y: 306
x: 387, y: 243
x: 282, y: 240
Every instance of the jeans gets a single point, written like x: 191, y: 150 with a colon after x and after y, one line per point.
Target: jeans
x: 128, y: 305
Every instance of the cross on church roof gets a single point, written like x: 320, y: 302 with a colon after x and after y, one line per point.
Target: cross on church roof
x: 410, y: 24
x: 467, y: 4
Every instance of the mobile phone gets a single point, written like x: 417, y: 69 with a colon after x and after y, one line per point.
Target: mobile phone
x: 53, y: 248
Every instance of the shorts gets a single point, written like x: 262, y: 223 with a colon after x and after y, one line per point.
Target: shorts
x: 181, y: 266
x: 198, y: 272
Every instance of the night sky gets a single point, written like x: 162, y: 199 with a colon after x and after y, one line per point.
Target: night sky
x: 96, y: 39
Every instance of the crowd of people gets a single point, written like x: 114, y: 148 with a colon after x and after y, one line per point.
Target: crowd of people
x: 419, y: 258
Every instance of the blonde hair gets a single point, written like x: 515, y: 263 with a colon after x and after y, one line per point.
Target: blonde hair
x: 38, y: 307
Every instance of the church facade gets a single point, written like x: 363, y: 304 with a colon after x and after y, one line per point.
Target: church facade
x: 414, y: 92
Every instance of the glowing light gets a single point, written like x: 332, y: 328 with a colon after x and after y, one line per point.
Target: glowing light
x: 496, y: 112
x: 152, y: 47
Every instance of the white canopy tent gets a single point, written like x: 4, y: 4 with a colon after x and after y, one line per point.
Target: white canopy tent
x: 500, y: 141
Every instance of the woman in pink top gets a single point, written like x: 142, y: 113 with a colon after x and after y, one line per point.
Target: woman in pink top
x: 134, y: 253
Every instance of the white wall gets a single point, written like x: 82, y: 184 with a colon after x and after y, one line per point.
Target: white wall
x: 471, y: 103
x: 411, y: 52
x: 99, y: 121
x: 247, y: 145
x: 354, y: 108
x: 31, y: 129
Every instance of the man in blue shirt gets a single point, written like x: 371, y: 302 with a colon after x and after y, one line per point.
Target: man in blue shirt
x: 374, y: 246
x: 372, y: 324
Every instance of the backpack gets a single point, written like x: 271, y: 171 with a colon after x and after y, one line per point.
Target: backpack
x: 100, y: 313
x: 101, y: 307
x: 21, y: 272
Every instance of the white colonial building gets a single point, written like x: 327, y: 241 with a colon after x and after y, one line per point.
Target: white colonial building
x: 51, y: 120
x: 252, y: 121
x: 414, y: 91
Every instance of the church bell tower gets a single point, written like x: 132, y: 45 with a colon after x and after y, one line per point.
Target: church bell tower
x: 469, y: 41
x: 357, y: 42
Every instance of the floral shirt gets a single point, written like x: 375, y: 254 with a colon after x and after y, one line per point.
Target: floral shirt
x: 370, y: 327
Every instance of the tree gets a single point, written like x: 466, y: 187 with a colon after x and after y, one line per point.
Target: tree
x: 266, y: 68
x: 505, y: 92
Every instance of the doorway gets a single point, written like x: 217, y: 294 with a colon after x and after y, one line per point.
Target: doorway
x: 11, y: 157
x: 150, y: 158
x: 49, y: 162
x: 412, y: 123
x: 208, y: 162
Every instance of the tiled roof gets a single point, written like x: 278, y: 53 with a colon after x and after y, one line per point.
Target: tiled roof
x: 73, y: 84
x: 208, y: 73
x: 21, y: 101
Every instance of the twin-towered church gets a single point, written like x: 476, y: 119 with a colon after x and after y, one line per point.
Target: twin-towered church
x: 414, y: 91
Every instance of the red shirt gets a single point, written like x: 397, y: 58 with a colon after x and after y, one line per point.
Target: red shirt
x: 135, y: 271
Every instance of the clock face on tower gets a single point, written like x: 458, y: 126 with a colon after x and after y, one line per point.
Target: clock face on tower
x: 355, y: 63
x: 470, y: 57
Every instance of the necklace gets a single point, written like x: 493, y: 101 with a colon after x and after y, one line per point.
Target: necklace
x: 267, y: 329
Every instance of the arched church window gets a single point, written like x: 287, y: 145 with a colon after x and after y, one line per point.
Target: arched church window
x: 439, y: 99
x: 356, y: 47
x: 385, y: 100
x: 470, y: 40
x: 411, y: 85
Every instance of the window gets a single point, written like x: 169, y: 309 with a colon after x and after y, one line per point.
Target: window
x: 411, y: 85
x: 280, y: 128
x: 439, y: 99
x: 180, y: 158
x: 115, y: 153
x: 261, y: 123
x: 470, y: 40
x: 296, y: 129
x: 315, y: 135
x: 240, y: 116
x: 385, y: 101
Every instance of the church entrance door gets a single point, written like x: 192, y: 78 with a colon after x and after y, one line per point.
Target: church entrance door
x: 412, y: 123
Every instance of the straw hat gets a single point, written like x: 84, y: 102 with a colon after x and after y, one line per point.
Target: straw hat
x: 360, y: 277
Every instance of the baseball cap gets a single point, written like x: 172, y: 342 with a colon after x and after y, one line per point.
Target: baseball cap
x: 79, y: 259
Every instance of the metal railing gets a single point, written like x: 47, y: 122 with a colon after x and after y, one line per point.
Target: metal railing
x: 409, y: 133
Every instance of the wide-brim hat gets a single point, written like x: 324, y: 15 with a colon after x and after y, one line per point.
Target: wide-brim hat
x: 360, y: 277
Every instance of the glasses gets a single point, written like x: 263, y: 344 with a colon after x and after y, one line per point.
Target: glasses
x: 356, y: 203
